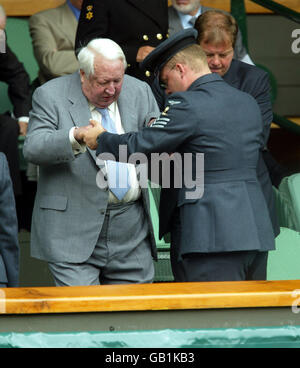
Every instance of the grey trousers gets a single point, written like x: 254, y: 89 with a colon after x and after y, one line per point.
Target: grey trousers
x: 122, y: 254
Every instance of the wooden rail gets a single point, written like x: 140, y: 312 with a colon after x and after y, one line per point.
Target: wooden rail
x: 28, y: 7
x: 151, y: 297
x: 294, y: 119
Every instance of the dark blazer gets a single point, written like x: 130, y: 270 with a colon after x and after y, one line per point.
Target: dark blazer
x: 255, y: 81
x: 9, y: 247
x: 130, y: 23
x: 13, y: 73
x: 232, y: 214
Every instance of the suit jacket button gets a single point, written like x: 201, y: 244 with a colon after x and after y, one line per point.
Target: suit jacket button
x: 147, y: 73
x: 145, y: 38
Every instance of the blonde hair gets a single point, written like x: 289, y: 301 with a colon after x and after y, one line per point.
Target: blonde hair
x: 193, y: 56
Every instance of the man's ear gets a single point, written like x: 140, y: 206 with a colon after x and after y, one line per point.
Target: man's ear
x: 181, y: 68
x: 82, y: 75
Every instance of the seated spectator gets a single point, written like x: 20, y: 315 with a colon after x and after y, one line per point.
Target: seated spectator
x: 53, y: 34
x: 13, y: 123
x: 9, y: 247
x: 184, y: 14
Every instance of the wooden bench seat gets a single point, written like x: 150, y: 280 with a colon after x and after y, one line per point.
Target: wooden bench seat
x: 28, y: 7
x: 146, y: 297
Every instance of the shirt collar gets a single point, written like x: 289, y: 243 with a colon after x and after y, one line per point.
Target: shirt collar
x: 185, y: 18
x: 111, y: 108
x: 75, y: 11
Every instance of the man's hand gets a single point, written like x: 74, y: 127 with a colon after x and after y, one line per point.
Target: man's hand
x: 79, y: 133
x: 143, y: 52
x: 90, y: 135
x: 22, y: 127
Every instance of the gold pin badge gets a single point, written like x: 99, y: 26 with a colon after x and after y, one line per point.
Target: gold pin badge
x: 89, y: 15
x: 89, y: 8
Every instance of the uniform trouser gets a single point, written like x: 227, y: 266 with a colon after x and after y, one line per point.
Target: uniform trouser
x: 223, y: 266
x: 122, y: 254
x: 9, y: 146
x: 3, y: 285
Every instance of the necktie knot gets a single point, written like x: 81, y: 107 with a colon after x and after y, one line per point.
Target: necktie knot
x: 192, y: 21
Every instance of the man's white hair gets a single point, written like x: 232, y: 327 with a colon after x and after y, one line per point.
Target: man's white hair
x: 104, y: 47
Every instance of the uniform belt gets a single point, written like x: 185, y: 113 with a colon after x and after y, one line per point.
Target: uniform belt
x: 223, y: 176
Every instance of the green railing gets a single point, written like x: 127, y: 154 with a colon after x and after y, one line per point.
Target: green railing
x: 238, y: 10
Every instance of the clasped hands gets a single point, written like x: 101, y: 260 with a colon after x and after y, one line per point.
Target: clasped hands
x: 88, y: 134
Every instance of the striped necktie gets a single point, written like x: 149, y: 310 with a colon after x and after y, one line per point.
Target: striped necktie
x: 118, y: 175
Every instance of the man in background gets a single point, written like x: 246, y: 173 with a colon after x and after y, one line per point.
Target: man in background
x: 53, y: 34
x: 183, y: 14
x: 137, y: 26
x: 13, y: 123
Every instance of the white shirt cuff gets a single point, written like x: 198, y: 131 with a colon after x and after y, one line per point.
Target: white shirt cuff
x: 24, y: 119
x: 76, y: 146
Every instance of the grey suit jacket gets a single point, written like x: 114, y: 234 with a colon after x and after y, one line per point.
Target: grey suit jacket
x: 175, y: 26
x: 69, y: 207
x: 9, y: 246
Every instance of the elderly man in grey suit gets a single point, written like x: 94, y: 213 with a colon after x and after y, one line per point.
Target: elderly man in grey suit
x: 88, y: 233
x: 183, y: 14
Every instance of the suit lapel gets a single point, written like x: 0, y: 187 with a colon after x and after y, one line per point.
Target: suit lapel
x: 79, y: 108
x: 174, y: 21
x: 231, y: 77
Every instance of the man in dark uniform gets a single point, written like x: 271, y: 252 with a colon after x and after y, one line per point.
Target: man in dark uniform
x: 13, y: 73
x: 217, y: 33
x: 224, y: 233
x: 137, y: 26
